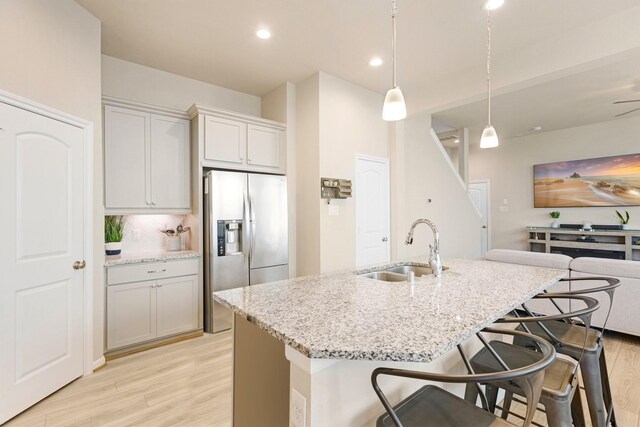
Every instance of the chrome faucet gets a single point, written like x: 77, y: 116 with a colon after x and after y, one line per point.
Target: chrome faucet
x: 434, y: 251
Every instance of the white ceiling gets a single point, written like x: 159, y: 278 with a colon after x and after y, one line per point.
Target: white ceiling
x: 575, y: 100
x: 215, y: 42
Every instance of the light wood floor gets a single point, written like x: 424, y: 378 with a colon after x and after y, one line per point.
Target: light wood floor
x: 189, y: 383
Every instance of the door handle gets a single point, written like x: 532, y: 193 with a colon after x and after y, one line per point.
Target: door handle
x: 156, y: 271
x: 79, y: 265
x: 384, y: 239
x: 252, y: 231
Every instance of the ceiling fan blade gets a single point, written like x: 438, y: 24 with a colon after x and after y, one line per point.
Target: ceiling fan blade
x: 636, y: 109
x: 624, y: 102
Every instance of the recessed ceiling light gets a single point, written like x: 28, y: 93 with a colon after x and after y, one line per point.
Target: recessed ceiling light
x: 456, y: 140
x: 375, y: 62
x: 492, y: 4
x: 536, y: 128
x: 263, y: 34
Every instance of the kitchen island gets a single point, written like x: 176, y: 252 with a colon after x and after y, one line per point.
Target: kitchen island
x: 306, y: 347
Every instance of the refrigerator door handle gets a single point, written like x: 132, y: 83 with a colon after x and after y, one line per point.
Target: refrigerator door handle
x: 245, y: 218
x: 252, y: 221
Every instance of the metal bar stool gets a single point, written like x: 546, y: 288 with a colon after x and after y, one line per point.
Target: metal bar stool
x: 593, y: 364
x: 431, y: 406
x: 560, y: 390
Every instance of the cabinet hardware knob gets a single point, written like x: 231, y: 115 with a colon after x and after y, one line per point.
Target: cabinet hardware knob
x: 159, y: 285
x: 153, y: 286
x: 249, y: 160
x: 241, y: 158
x: 79, y: 265
x: 148, y: 203
x: 153, y: 203
x: 484, y: 226
x: 384, y: 239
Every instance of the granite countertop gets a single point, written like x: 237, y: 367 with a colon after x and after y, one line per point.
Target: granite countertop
x: 148, y: 256
x: 342, y: 316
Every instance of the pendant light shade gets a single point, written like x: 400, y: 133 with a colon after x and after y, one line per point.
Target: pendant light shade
x: 394, y: 107
x: 489, y: 138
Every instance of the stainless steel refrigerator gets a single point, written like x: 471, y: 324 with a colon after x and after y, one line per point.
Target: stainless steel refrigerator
x: 246, y: 236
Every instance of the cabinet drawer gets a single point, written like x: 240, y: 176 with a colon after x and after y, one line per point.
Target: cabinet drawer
x: 151, y: 270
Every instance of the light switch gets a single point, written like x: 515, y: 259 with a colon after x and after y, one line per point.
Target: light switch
x: 334, y: 210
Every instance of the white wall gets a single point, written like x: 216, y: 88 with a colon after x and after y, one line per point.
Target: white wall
x: 429, y: 174
x: 350, y: 123
x: 133, y: 82
x: 51, y: 54
x: 280, y: 105
x: 510, y: 169
x: 308, y: 176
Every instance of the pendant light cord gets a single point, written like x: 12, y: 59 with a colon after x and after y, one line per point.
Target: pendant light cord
x: 394, y: 11
x: 488, y: 68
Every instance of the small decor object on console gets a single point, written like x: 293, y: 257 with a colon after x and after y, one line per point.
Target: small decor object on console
x: 555, y: 215
x: 113, y: 234
x: 624, y: 219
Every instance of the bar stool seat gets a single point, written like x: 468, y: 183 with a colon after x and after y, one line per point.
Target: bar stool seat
x: 570, y: 335
x: 432, y: 406
x: 558, y: 377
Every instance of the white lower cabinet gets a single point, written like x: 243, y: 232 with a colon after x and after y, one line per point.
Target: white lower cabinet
x: 145, y: 310
x: 176, y: 305
x: 131, y: 313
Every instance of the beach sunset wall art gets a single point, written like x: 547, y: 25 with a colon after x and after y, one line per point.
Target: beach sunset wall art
x: 604, y: 181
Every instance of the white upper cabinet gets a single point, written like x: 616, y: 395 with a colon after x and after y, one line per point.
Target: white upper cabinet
x: 147, y: 161
x: 225, y: 140
x: 170, y: 161
x: 126, y: 151
x: 264, y: 147
x: 228, y: 140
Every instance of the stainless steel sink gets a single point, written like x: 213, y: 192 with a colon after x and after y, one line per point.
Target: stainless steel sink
x: 417, y: 270
x: 385, y: 276
x: 399, y: 273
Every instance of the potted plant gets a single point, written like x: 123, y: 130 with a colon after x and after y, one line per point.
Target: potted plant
x: 624, y: 219
x: 113, y: 234
x: 555, y: 215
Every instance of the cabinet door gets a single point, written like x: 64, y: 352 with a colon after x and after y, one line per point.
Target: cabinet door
x: 264, y: 147
x: 170, y: 178
x: 177, y: 302
x: 131, y: 313
x: 225, y: 140
x: 126, y: 158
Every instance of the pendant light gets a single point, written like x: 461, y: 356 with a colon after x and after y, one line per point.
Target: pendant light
x: 394, y: 108
x: 489, y: 136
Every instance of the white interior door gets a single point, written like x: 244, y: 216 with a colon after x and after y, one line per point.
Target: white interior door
x: 372, y: 210
x: 479, y: 193
x: 41, y: 294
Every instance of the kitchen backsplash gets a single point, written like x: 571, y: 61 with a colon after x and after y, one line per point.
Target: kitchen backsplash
x: 142, y: 232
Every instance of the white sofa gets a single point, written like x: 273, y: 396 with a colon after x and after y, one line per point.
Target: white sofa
x: 625, y: 315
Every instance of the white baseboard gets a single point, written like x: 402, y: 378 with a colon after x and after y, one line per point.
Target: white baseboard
x: 98, y: 363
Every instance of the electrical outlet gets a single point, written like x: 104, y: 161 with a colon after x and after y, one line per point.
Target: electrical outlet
x: 135, y: 234
x: 298, y: 415
x: 503, y: 209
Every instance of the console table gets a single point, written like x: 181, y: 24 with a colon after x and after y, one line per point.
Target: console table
x: 617, y: 244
